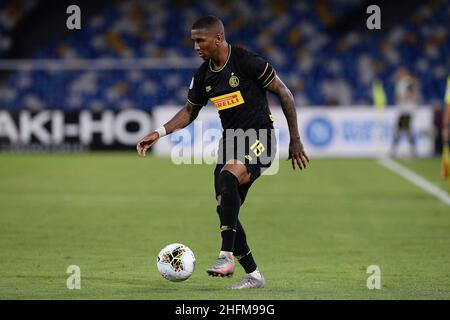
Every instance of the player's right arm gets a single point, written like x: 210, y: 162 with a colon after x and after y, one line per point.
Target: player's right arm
x: 181, y: 120
x: 195, y: 101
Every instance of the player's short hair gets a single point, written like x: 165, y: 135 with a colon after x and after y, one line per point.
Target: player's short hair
x: 209, y: 23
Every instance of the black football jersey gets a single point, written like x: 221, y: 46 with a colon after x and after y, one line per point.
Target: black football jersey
x: 237, y: 89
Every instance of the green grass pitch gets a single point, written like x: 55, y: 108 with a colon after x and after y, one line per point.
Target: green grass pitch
x: 313, y: 233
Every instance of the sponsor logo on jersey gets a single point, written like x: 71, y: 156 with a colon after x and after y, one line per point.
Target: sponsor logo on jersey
x: 228, y: 100
x: 234, y: 81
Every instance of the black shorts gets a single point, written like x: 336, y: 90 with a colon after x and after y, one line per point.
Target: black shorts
x: 404, y: 121
x: 256, y: 151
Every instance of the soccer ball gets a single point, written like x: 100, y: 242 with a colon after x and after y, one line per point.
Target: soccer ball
x: 176, y: 262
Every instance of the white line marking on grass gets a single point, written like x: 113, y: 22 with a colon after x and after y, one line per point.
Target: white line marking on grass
x: 415, y: 179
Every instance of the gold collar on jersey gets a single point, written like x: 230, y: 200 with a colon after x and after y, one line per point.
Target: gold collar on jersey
x: 228, y: 58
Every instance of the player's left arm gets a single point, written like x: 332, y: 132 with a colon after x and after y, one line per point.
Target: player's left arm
x: 297, y: 152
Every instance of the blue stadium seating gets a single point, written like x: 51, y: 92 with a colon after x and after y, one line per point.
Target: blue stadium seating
x: 319, y: 69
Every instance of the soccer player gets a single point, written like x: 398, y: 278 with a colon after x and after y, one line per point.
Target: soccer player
x: 407, y: 98
x: 235, y: 81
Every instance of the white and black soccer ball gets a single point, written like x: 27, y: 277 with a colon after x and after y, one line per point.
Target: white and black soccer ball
x: 176, y: 262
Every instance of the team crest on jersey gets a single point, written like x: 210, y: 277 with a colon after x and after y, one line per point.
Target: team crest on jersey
x: 234, y: 81
x: 208, y: 88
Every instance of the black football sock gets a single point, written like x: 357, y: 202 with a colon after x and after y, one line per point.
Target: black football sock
x: 242, y: 251
x: 248, y: 263
x: 229, y: 209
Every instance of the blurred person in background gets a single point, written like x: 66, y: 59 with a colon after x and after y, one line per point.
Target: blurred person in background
x: 406, y: 99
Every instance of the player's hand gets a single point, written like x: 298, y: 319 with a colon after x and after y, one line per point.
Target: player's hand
x: 146, y: 143
x: 297, y: 154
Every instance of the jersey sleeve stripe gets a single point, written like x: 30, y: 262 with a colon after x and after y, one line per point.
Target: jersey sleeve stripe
x: 265, y: 69
x: 195, y: 104
x: 274, y: 76
x: 269, y: 77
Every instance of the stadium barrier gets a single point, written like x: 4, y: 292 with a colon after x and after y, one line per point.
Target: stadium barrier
x: 57, y: 130
x: 343, y: 132
x: 338, y: 132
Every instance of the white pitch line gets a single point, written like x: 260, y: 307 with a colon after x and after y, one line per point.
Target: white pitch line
x: 415, y: 179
